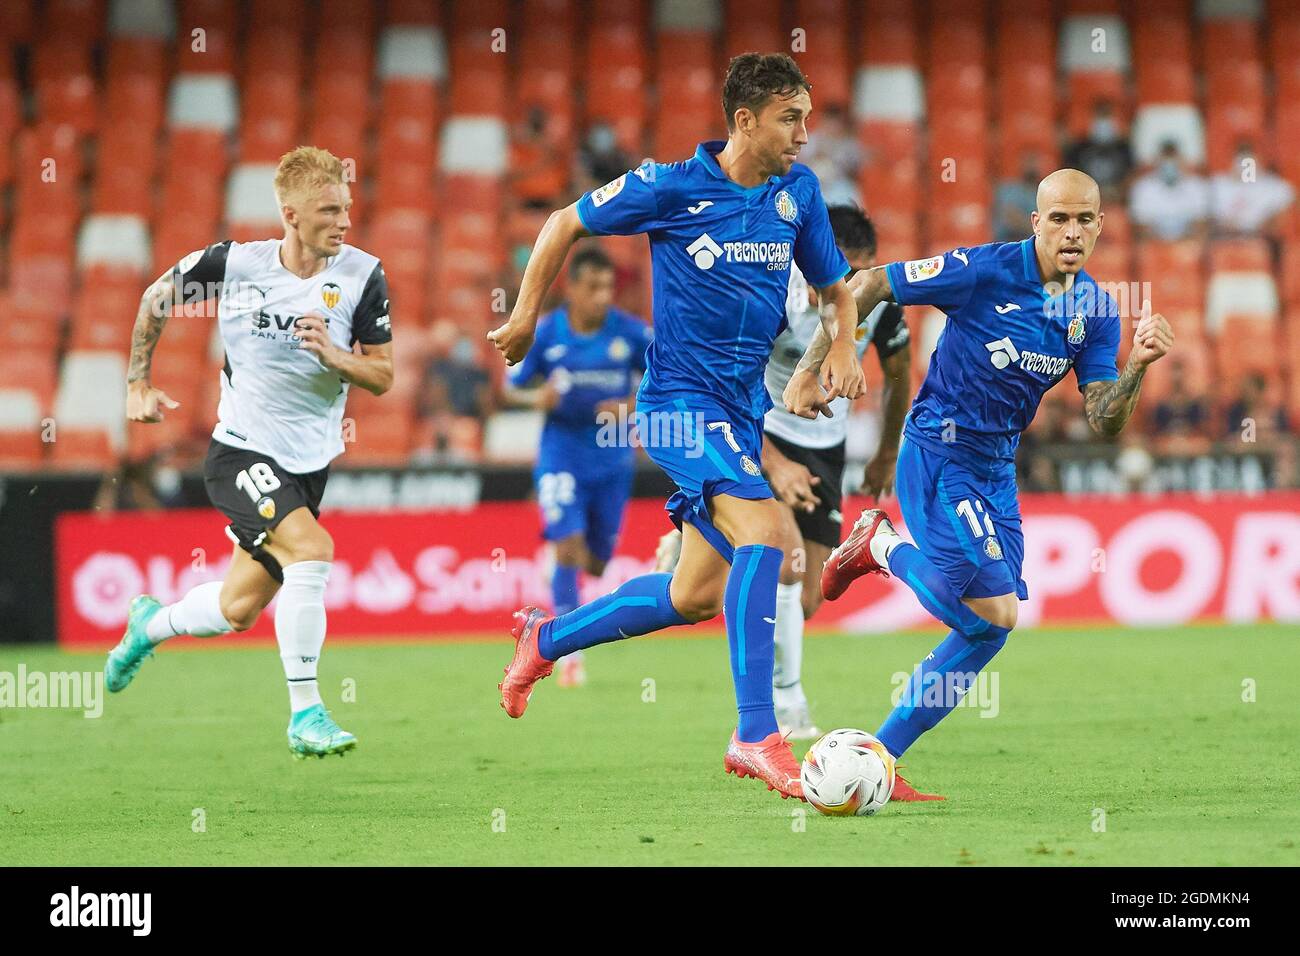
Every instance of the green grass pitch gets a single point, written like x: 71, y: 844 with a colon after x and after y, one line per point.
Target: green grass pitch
x: 1110, y: 747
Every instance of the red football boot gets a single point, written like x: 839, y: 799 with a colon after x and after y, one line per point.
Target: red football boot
x: 770, y: 760
x: 852, y: 558
x: 528, y: 666
x: 904, y: 792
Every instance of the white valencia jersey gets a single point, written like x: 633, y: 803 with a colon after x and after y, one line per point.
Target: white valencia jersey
x: 276, y: 397
x: 885, y: 327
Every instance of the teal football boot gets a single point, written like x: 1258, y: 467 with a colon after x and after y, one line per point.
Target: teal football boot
x: 313, y: 733
x: 134, y: 648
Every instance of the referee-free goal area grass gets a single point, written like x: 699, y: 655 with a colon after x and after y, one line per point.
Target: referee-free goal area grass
x: 1097, y: 746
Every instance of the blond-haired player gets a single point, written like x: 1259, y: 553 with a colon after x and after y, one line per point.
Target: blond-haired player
x: 302, y: 319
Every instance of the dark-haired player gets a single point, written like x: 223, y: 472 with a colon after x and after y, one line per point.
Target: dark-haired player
x: 724, y: 228
x: 589, y: 357
x: 804, y: 460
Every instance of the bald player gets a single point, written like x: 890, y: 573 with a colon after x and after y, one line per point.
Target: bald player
x: 1020, y: 316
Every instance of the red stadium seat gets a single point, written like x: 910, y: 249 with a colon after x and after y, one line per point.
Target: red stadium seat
x: 344, y: 135
x: 211, y: 51
x: 407, y: 186
x: 1084, y: 90
x: 1162, y: 59
x: 752, y: 25
x: 1290, y: 287
x: 79, y: 20
x: 1021, y: 136
x: 342, y: 53
x: 551, y: 14
x: 341, y: 17
x: 215, y: 13
x: 283, y: 15
x: 895, y: 185
x: 134, y: 98
x: 1240, y: 255
x: 408, y: 99
x: 198, y: 202
x: 413, y: 12
x: 1247, y: 345
x: 17, y: 20
x: 480, y: 87
x: 1176, y: 272
x: 123, y: 189
x: 81, y: 450
x: 888, y: 40
x: 198, y: 154
x: 1192, y: 361
x: 889, y: 141
x: 827, y: 62
x: 614, y: 64
x: 1110, y: 262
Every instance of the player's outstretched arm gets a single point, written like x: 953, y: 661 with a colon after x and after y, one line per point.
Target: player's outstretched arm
x: 1108, y: 405
x: 142, y: 399
x: 563, y: 228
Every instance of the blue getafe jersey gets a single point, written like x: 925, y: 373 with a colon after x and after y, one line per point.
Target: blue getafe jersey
x: 586, y: 370
x: 1004, y: 345
x: 721, y: 258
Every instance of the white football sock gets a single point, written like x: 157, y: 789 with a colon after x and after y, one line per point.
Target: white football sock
x: 882, y: 543
x: 786, y: 690
x: 300, y: 629
x: 197, y: 614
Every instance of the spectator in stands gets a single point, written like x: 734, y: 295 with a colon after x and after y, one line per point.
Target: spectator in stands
x: 1247, y: 200
x: 454, y: 392
x: 600, y: 156
x: 539, y: 177
x: 1170, y: 202
x: 834, y: 154
x: 1015, y: 199
x: 1104, y: 154
x: 1180, y: 422
x: 1256, y: 416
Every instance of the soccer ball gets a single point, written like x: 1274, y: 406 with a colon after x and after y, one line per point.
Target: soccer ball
x: 848, y: 773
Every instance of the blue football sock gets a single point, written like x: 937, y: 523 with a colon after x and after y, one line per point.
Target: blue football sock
x: 937, y: 685
x: 564, y: 589
x: 909, y: 565
x: 749, y: 604
x: 639, y: 606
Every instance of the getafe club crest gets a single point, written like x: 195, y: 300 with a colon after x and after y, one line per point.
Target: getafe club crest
x: 750, y: 467
x: 993, y: 549
x: 785, y: 207
x: 1077, y: 329
x: 330, y: 294
x: 619, y: 349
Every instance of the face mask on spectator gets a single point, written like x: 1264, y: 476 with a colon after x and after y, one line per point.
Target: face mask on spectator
x: 1169, y: 171
x: 462, y: 353
x: 601, y: 139
x: 1104, y: 130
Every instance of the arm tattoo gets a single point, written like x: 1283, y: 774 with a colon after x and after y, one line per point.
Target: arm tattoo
x: 1108, y: 405
x: 149, y: 322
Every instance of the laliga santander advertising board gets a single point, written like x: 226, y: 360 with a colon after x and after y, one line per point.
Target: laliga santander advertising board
x: 1135, y: 560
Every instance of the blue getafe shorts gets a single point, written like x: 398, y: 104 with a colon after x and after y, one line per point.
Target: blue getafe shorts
x: 593, y: 504
x: 706, y: 451
x: 966, y: 524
